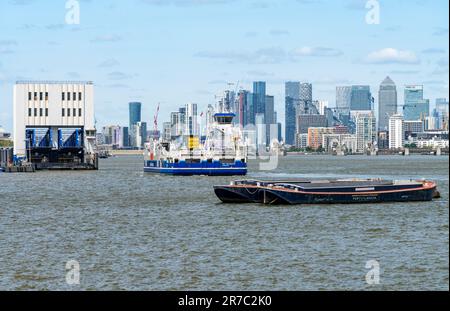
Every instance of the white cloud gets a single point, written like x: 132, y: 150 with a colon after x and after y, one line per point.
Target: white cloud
x: 392, y: 56
x: 316, y: 51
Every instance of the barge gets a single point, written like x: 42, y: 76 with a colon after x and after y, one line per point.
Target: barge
x: 343, y: 191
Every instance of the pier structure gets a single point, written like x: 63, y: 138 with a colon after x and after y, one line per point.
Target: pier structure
x: 54, y: 125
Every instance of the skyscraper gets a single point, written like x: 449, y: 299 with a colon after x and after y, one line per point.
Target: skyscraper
x: 135, y: 113
x: 387, y: 103
x: 269, y: 113
x: 360, y: 98
x: 259, y: 91
x: 366, y: 131
x: 292, y: 95
x: 192, y: 127
x: 250, y: 111
x: 396, y: 132
x: 305, y: 98
x: 415, y: 106
x: 343, y: 96
x: 442, y: 113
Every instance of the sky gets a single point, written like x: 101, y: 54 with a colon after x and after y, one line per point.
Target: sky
x: 177, y: 51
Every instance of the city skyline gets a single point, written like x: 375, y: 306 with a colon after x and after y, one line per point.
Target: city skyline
x: 175, y: 67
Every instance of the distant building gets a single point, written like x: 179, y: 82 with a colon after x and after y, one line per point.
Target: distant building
x: 241, y: 109
x: 315, y: 135
x: 269, y: 116
x: 113, y: 135
x: 259, y: 91
x: 320, y: 105
x: 387, y: 103
x: 442, y: 113
x: 412, y: 127
x: 396, y: 132
x: 305, y: 99
x: 305, y: 121
x: 343, y: 99
x: 366, y: 131
x: 383, y: 139
x: 301, y: 140
x: 134, y: 113
x: 415, y: 106
x: 125, y: 137
x: 345, y: 142
x: 430, y: 123
x: 250, y: 110
x: 192, y: 126
x: 360, y: 98
x: 166, y: 133
x: 292, y: 97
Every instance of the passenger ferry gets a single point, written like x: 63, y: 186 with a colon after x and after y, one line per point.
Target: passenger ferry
x: 223, y: 152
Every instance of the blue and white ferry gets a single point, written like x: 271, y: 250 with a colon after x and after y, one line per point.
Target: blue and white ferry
x: 223, y: 152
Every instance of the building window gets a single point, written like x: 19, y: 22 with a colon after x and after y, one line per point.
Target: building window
x: 74, y: 112
x: 29, y: 111
x: 63, y: 96
x: 46, y: 95
x: 35, y: 95
x: 46, y: 112
x: 68, y: 95
x: 35, y: 112
x: 62, y: 112
x: 79, y: 112
x: 79, y: 96
x: 68, y: 112
x: 29, y: 95
x: 40, y: 112
x: 74, y: 96
x: 40, y: 96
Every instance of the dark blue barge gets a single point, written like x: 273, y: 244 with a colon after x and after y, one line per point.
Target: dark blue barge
x: 326, y: 191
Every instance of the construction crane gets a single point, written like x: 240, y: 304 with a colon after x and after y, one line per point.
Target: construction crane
x: 155, y: 121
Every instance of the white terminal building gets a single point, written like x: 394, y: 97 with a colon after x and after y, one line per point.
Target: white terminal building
x: 54, y: 124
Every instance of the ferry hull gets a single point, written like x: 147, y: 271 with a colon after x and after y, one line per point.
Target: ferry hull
x: 197, y: 171
x: 275, y: 195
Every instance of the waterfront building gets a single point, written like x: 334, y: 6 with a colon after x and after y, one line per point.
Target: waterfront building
x: 343, y: 99
x: 345, y: 142
x: 387, y: 103
x: 383, y: 140
x: 113, y: 135
x: 315, y: 135
x: 415, y: 106
x: 139, y: 134
x: 396, y: 132
x: 360, y: 98
x: 366, y: 131
x: 125, y: 137
x: 50, y: 116
x: 304, y: 121
x: 301, y: 140
x: 292, y: 97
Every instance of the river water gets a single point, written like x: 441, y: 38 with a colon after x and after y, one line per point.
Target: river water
x: 134, y: 231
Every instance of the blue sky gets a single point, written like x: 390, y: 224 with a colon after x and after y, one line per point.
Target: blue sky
x: 179, y: 51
